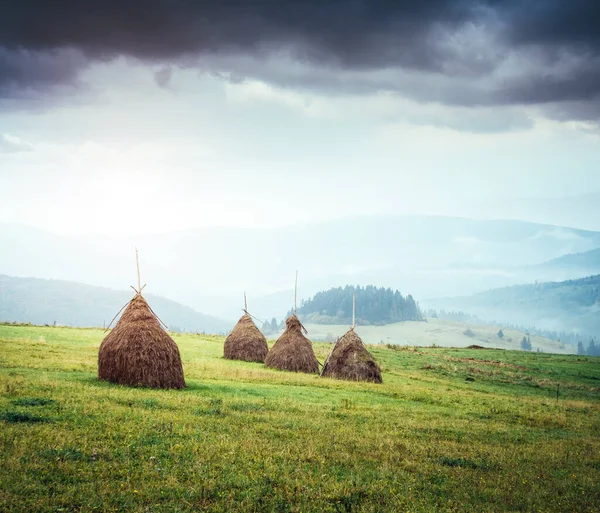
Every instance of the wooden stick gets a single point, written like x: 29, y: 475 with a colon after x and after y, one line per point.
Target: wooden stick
x: 122, y: 308
x: 158, y: 318
x: 137, y: 262
x: 245, y: 303
x: 353, y: 310
x: 295, y: 292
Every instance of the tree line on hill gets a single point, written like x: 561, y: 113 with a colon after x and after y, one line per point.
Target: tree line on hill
x: 592, y: 348
x: 272, y: 326
x: 374, y: 306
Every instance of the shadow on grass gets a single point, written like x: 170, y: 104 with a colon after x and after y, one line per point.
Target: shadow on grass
x: 15, y: 417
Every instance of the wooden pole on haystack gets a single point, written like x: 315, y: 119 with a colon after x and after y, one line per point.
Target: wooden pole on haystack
x: 245, y: 303
x: 295, y: 292
x: 353, y: 310
x: 137, y: 263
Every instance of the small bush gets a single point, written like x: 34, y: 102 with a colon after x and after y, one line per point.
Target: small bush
x: 468, y: 332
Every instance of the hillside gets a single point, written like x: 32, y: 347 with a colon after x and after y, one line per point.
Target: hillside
x: 204, y: 268
x: 588, y: 261
x: 448, y: 430
x: 572, y: 305
x: 374, y: 305
x: 38, y: 301
x: 442, y: 333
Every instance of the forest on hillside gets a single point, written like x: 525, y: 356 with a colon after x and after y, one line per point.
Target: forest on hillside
x: 376, y: 306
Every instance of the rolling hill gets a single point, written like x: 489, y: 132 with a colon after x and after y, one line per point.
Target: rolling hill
x: 438, y: 332
x: 587, y: 262
x: 209, y: 268
x: 572, y: 305
x: 38, y: 301
x: 374, y: 305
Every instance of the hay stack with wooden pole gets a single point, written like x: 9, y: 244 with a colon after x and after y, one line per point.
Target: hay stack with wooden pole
x: 350, y: 360
x: 246, y: 342
x: 293, y: 351
x: 138, y: 351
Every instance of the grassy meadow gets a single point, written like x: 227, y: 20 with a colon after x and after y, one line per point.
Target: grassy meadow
x: 443, y: 333
x: 449, y: 430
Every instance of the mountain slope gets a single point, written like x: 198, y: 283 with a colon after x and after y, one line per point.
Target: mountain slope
x: 209, y: 268
x: 41, y: 301
x: 572, y: 305
x: 586, y: 261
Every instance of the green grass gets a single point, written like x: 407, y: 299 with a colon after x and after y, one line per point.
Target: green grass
x: 442, y: 333
x: 449, y: 430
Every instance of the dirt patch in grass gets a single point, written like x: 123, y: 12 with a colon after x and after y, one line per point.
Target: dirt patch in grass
x: 493, y: 363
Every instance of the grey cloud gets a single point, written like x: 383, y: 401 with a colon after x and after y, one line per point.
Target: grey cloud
x: 433, y: 50
x: 162, y: 77
x: 11, y: 144
x: 24, y: 73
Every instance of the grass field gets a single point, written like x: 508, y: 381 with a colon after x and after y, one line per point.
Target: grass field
x: 449, y: 430
x: 442, y: 333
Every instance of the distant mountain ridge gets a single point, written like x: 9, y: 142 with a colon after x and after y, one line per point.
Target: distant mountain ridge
x: 571, y: 305
x: 587, y: 260
x: 41, y: 301
x: 209, y: 268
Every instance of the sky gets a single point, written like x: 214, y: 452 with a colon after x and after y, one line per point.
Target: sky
x: 127, y: 117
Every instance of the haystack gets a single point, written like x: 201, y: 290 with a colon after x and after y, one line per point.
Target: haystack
x: 246, y: 342
x: 293, y: 351
x: 139, y: 352
x: 349, y: 359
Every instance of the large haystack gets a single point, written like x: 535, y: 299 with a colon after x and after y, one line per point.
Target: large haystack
x: 293, y: 351
x: 139, y: 352
x: 246, y: 342
x: 350, y: 360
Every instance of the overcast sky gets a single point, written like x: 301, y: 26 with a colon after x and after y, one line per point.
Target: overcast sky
x: 130, y: 117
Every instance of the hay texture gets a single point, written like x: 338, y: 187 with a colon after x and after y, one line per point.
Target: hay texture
x: 293, y: 351
x: 139, y: 352
x: 350, y: 360
x: 246, y: 342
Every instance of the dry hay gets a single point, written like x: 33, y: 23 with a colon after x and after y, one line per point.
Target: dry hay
x: 139, y: 352
x: 350, y: 360
x: 246, y: 342
x: 293, y: 351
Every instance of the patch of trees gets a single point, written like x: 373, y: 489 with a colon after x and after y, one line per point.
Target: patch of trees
x: 272, y: 326
x: 593, y: 349
x: 376, y: 306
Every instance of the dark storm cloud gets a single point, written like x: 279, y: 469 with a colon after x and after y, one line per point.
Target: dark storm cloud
x: 460, y: 46
x: 351, y: 33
